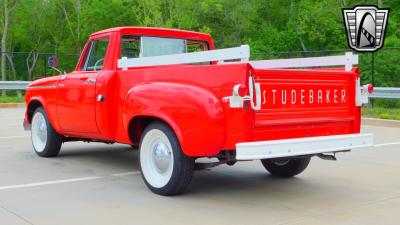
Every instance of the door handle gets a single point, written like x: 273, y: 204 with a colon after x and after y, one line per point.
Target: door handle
x: 100, y: 98
x: 90, y: 80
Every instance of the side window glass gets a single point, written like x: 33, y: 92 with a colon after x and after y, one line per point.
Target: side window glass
x: 94, y: 58
x: 130, y: 46
x: 196, y: 46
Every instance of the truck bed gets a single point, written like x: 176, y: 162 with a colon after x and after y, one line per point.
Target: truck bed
x: 305, y: 103
x: 295, y: 103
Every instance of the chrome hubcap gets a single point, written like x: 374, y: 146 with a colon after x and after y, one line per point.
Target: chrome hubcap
x: 156, y: 158
x: 42, y: 132
x: 161, y: 157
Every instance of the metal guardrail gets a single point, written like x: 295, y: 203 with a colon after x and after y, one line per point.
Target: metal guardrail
x: 385, y: 93
x: 379, y: 92
x: 13, y: 85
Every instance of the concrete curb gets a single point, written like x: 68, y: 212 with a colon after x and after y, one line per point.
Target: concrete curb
x: 380, y: 122
x: 12, y: 105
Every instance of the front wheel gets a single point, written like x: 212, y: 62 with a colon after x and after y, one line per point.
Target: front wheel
x: 165, y: 169
x: 286, y: 167
x: 45, y: 140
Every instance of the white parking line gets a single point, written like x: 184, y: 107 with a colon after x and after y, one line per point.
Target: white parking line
x: 47, y: 183
x: 11, y: 137
x: 125, y: 174
x: 387, y: 144
x: 11, y: 118
x: 64, y: 181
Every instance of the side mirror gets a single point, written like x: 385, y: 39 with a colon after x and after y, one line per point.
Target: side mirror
x: 52, y: 61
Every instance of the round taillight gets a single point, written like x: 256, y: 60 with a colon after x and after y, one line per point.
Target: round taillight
x: 370, y: 88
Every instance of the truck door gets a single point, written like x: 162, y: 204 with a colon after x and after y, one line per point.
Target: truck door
x: 76, y: 96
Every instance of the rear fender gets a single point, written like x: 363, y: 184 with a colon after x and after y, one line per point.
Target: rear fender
x: 195, y: 114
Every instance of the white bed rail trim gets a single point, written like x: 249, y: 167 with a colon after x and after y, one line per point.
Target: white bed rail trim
x: 242, y: 53
x: 301, y: 146
x: 347, y: 60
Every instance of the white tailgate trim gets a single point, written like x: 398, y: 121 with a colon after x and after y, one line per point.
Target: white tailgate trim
x: 301, y: 146
x: 347, y: 60
x: 242, y: 53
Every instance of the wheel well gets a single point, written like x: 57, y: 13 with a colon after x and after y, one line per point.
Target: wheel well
x: 33, y: 105
x: 138, y: 125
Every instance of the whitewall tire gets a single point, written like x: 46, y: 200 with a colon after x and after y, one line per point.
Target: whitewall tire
x: 166, y: 170
x: 286, y: 167
x: 45, y: 140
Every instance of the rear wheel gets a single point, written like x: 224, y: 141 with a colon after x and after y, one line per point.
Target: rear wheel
x: 286, y: 167
x: 45, y: 140
x: 165, y: 169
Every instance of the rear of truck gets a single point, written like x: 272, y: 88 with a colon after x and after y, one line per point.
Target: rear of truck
x: 294, y: 112
x: 270, y: 108
x: 217, y: 103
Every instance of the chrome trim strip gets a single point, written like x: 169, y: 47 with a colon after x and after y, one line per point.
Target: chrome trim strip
x: 42, y: 87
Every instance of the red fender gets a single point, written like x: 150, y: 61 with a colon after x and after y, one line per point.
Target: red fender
x: 194, y: 114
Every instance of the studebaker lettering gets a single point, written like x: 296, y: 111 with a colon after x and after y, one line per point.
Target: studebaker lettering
x: 302, y: 96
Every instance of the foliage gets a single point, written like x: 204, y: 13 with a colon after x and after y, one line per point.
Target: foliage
x: 382, y: 113
x: 62, y: 27
x: 11, y: 99
x: 383, y: 109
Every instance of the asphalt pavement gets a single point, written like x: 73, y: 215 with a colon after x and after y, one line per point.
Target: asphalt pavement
x: 93, y: 183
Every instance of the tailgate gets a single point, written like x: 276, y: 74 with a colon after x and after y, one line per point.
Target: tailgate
x: 314, y: 102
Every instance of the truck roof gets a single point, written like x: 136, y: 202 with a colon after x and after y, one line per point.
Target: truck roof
x: 159, y: 32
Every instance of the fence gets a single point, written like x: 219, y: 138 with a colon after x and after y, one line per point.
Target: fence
x: 34, y: 65
x: 386, y: 93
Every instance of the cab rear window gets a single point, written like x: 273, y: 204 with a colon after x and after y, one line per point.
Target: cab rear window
x: 135, y: 46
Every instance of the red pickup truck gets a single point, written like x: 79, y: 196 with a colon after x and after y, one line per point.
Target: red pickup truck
x: 172, y: 95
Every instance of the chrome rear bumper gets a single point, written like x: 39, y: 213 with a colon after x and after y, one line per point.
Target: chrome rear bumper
x: 301, y: 146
